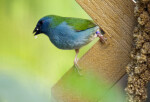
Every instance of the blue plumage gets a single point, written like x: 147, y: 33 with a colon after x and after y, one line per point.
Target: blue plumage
x: 65, y: 37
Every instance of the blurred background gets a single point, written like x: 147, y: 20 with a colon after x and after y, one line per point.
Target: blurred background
x: 29, y: 67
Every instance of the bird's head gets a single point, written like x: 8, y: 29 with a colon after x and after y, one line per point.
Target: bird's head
x: 42, y: 25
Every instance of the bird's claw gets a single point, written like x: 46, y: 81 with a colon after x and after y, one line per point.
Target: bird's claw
x: 100, y: 35
x: 77, y: 68
x: 102, y: 38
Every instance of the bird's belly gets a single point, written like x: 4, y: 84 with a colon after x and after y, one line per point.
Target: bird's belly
x: 69, y: 43
x: 65, y: 37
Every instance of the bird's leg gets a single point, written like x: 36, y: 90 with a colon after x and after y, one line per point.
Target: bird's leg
x: 76, y: 60
x: 102, y: 38
x: 135, y: 1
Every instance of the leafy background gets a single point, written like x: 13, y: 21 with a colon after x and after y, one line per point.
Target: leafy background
x: 29, y: 67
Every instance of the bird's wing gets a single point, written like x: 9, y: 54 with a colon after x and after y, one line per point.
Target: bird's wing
x: 78, y: 24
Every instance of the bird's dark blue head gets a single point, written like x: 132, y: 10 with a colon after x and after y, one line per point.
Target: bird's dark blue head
x: 42, y: 25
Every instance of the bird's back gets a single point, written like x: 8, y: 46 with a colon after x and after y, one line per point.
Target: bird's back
x: 78, y: 24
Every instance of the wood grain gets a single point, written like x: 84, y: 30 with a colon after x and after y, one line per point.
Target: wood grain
x: 106, y: 61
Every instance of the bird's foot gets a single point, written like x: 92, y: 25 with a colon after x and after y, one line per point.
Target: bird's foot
x: 102, y: 38
x: 77, y: 68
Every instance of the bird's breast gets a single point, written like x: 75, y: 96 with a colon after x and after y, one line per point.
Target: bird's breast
x: 65, y: 37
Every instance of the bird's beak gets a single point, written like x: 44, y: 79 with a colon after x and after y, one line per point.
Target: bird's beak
x: 36, y: 31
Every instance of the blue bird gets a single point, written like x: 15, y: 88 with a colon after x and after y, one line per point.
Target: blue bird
x: 69, y: 33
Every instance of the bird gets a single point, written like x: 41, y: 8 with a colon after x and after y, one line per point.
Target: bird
x: 69, y: 33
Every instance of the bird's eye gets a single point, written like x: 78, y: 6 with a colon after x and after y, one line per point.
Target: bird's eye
x: 41, y: 22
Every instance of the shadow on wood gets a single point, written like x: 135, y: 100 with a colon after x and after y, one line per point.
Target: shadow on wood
x: 104, y: 63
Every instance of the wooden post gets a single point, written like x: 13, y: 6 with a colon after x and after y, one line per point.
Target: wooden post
x: 107, y: 61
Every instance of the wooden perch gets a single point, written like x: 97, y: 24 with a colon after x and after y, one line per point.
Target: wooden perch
x: 107, y: 61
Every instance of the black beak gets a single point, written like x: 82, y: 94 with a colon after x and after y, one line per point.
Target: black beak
x: 36, y: 30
